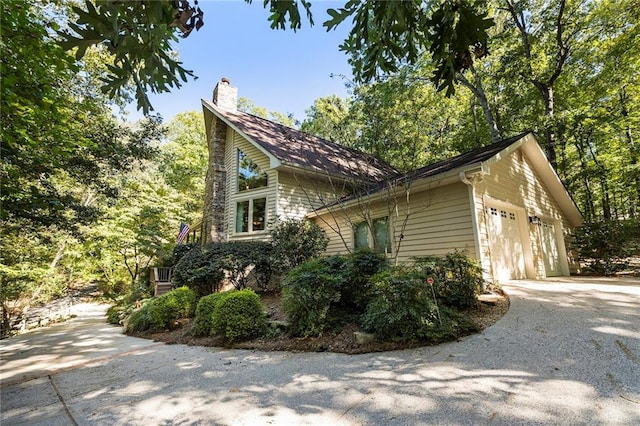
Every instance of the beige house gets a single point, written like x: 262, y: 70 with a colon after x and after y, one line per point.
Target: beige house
x: 502, y: 204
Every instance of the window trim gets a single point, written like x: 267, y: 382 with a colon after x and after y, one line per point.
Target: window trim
x: 239, y: 151
x: 388, y: 250
x: 250, y: 200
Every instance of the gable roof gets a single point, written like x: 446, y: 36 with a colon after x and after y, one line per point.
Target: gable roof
x: 297, y: 149
x: 479, y: 160
x: 468, y: 159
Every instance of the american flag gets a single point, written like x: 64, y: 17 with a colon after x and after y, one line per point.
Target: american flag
x: 184, y: 231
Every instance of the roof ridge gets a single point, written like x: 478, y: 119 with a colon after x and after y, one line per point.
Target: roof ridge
x: 336, y: 144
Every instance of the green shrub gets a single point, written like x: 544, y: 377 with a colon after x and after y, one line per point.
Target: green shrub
x: 457, y: 278
x: 294, y: 241
x: 204, y: 269
x: 360, y: 266
x: 605, y: 245
x: 308, y: 293
x: 238, y: 315
x: 402, y: 307
x: 203, y: 321
x: 179, y: 251
x: 236, y: 257
x: 164, y: 311
x: 199, y: 270
x: 139, y: 320
x: 323, y: 293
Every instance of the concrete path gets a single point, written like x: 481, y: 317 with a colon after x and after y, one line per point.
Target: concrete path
x: 567, y: 352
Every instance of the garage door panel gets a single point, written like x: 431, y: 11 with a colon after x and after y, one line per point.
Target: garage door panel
x: 550, y: 252
x: 505, y: 243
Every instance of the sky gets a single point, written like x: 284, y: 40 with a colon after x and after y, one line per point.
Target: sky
x: 281, y: 71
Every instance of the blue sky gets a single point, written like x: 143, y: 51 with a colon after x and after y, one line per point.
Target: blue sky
x: 280, y: 70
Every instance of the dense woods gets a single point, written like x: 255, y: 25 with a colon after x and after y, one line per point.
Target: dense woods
x: 89, y: 197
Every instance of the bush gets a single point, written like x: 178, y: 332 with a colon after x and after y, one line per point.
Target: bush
x: 296, y: 241
x: 457, y: 278
x: 179, y: 251
x: 205, y: 269
x: 139, y: 320
x: 605, y: 245
x: 236, y: 257
x: 238, y: 315
x: 198, y: 269
x: 360, y: 266
x: 402, y: 307
x: 163, y: 312
x: 204, y: 314
x: 322, y: 293
x: 308, y: 293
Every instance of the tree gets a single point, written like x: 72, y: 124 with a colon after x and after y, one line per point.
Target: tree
x: 183, y: 161
x: 55, y: 128
x: 247, y: 105
x: 329, y: 118
x: 384, y: 35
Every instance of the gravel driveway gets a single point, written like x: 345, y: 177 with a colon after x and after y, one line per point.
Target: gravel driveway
x: 567, y: 352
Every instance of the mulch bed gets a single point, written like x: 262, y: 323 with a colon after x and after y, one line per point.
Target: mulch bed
x: 483, y: 315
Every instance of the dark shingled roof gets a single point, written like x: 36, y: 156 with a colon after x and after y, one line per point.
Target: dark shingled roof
x: 470, y: 158
x: 295, y: 148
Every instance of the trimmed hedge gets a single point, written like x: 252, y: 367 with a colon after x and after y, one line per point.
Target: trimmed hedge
x: 204, y: 314
x: 238, y: 315
x: 163, y: 312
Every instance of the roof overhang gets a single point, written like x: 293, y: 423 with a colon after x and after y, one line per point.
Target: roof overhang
x: 534, y: 153
x: 531, y: 150
x: 209, y: 109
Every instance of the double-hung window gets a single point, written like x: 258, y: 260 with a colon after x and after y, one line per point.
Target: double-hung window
x: 373, y: 235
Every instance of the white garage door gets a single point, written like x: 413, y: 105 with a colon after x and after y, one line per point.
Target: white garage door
x: 550, y: 252
x: 505, y: 243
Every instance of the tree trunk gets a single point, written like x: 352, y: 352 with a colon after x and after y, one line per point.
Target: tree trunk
x: 478, y: 91
x: 546, y: 91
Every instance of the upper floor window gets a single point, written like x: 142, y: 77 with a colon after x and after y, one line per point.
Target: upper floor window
x: 375, y: 237
x: 250, y: 175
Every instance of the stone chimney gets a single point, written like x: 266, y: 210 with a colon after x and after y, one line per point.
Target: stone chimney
x: 225, y: 96
x: 214, y: 219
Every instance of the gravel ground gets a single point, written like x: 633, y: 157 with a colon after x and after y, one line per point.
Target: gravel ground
x: 567, y: 352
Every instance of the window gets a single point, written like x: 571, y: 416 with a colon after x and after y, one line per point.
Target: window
x: 251, y: 215
x: 250, y: 175
x: 377, y: 237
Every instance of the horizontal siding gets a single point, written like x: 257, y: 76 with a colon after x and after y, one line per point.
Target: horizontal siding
x: 439, y: 221
x: 513, y: 180
x: 298, y: 195
x: 233, y: 195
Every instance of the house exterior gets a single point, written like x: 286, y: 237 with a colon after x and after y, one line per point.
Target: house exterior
x: 502, y: 204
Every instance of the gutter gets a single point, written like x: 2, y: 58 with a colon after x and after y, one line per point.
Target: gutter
x: 417, y: 185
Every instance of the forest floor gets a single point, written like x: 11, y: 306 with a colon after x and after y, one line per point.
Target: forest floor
x: 490, y: 308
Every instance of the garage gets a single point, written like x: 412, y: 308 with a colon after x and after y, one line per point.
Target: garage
x: 505, y: 243
x: 550, y: 251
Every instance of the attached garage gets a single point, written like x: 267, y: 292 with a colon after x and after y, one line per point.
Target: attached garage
x: 502, y: 204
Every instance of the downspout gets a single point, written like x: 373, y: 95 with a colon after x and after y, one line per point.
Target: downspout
x: 475, y: 176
